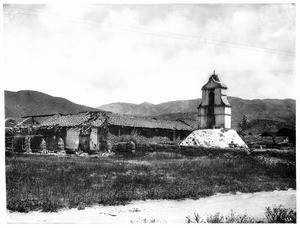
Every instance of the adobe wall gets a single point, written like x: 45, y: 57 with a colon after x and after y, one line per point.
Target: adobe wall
x: 94, y: 139
x: 204, y: 97
x: 121, y: 134
x: 222, y: 117
x: 218, y: 94
x: 227, y: 122
x: 72, y: 139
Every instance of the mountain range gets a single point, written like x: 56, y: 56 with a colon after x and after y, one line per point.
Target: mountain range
x: 270, y: 112
x: 28, y: 102
x: 269, y: 109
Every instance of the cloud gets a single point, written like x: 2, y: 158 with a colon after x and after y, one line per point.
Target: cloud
x: 96, y: 54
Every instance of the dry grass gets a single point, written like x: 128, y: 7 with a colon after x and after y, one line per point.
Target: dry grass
x: 49, y: 183
x: 275, y: 214
x: 280, y: 214
x: 218, y: 218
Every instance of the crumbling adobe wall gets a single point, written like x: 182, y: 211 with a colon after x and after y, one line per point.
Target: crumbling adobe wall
x: 144, y: 135
x: 72, y: 139
x: 94, y: 145
x: 113, y: 139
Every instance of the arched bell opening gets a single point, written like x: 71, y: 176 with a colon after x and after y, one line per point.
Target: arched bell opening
x: 210, y: 111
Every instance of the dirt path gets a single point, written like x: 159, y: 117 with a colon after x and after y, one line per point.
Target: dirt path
x: 169, y: 211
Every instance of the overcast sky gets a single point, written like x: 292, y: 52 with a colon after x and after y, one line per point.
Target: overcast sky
x: 99, y: 54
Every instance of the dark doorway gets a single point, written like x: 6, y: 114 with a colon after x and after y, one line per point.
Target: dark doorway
x: 210, y: 112
x: 35, y: 143
x: 84, y: 143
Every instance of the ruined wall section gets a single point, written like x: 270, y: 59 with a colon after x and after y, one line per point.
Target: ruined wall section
x: 72, y: 139
x: 94, y: 139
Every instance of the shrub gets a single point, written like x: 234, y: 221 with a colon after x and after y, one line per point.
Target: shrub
x: 280, y: 214
x: 277, y: 214
x: 218, y: 218
x: 195, y: 219
x: 233, y: 218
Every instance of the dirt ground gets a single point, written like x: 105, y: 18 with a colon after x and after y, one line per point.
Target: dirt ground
x: 164, y: 211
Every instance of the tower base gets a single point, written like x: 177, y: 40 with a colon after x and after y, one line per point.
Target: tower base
x: 214, y: 138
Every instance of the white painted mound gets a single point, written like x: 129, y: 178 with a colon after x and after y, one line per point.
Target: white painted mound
x: 218, y: 138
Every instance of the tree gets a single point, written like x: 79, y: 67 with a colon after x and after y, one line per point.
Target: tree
x: 244, y: 125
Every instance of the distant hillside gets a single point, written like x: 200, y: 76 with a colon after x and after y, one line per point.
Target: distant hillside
x: 283, y: 111
x: 143, y: 109
x: 148, y: 109
x: 28, y: 102
x: 271, y: 109
x: 264, y: 115
x: 259, y: 126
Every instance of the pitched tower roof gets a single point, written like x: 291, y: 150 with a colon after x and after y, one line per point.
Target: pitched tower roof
x: 214, y: 82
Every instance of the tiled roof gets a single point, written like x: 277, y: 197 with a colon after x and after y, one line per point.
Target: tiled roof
x: 10, y: 122
x: 65, y: 120
x: 97, y: 119
x: 26, y: 121
x: 192, y: 123
x: 145, y: 122
x: 9, y: 130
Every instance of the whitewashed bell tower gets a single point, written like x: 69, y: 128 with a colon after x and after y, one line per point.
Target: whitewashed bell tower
x: 214, y: 110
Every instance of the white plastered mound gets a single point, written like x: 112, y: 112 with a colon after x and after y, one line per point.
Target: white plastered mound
x: 218, y: 138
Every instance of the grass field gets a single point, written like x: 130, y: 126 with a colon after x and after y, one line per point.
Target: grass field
x: 49, y: 183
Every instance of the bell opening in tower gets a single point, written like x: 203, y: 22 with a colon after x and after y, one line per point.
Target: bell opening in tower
x: 210, y: 111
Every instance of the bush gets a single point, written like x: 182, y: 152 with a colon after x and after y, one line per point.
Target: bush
x: 218, y: 218
x: 280, y: 214
x: 277, y: 214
